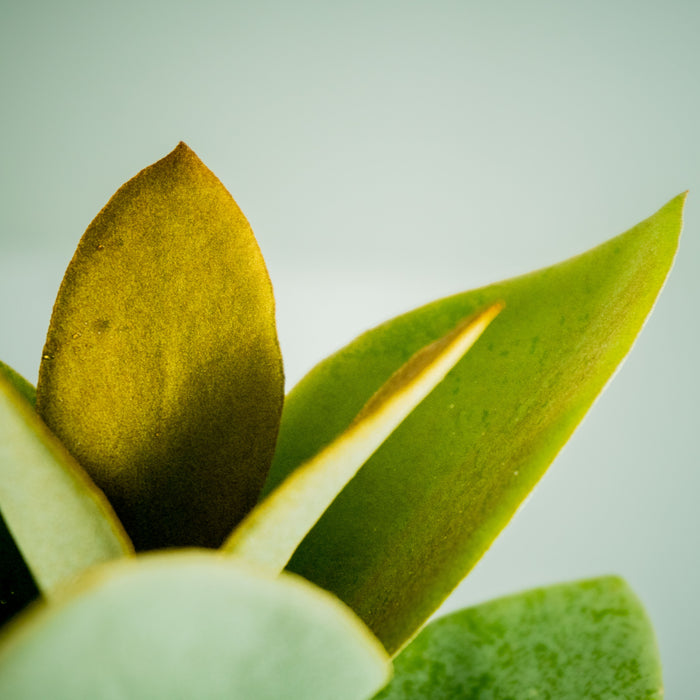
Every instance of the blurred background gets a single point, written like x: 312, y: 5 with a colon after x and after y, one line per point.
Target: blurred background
x: 387, y: 154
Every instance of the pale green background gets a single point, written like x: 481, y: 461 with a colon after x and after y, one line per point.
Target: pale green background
x: 388, y: 153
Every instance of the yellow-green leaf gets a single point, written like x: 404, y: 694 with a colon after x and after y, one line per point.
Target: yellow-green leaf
x: 429, y: 502
x: 162, y: 371
x: 588, y: 639
x: 191, y: 625
x: 18, y: 382
x: 272, y: 531
x: 61, y: 523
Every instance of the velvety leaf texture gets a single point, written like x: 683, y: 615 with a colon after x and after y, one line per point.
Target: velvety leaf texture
x: 191, y: 625
x: 429, y: 502
x: 162, y: 372
x: 589, y: 640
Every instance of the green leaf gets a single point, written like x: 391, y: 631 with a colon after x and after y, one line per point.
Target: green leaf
x: 162, y: 372
x: 426, y: 506
x: 272, y: 531
x: 18, y: 382
x: 60, y: 521
x: 589, y: 639
x: 191, y: 625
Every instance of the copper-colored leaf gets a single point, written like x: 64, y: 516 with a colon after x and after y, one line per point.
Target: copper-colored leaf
x: 162, y: 371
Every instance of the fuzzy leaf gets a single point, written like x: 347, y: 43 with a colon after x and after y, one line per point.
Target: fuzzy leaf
x: 589, y: 639
x: 60, y: 522
x: 191, y: 625
x: 162, y: 372
x: 19, y: 383
x: 429, y: 502
x: 274, y: 528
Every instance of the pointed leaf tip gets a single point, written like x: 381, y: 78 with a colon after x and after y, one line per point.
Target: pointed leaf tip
x: 183, y: 151
x: 430, y: 365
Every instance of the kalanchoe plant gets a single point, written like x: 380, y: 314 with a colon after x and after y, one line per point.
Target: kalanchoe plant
x: 158, y: 424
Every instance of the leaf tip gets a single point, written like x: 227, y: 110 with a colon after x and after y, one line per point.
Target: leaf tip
x: 683, y: 198
x: 490, y: 312
x: 182, y: 152
x: 182, y: 148
x: 673, y: 213
x: 677, y: 204
x: 477, y: 323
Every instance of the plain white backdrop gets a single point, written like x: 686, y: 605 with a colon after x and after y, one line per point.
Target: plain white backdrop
x: 386, y: 154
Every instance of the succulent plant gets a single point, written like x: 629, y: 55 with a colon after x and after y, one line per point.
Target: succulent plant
x: 175, y: 527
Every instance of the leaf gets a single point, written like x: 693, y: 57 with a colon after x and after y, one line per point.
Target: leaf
x: 18, y: 382
x: 162, y: 372
x: 272, y: 531
x: 17, y: 586
x: 192, y: 625
x: 589, y: 639
x: 60, y: 522
x: 426, y: 506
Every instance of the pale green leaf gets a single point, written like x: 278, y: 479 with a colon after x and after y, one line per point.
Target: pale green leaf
x: 274, y: 528
x: 589, y: 639
x: 61, y: 523
x: 17, y: 587
x: 191, y: 625
x: 161, y: 371
x: 429, y: 502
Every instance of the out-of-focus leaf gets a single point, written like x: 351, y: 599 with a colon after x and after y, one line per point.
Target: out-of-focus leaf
x: 272, y: 531
x: 18, y: 382
x: 162, y: 372
x: 589, y: 639
x: 429, y: 502
x: 191, y: 625
x: 61, y: 523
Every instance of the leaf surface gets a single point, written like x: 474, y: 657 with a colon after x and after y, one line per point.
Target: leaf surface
x: 191, y: 625
x: 430, y: 501
x: 61, y: 523
x: 589, y: 639
x: 162, y: 372
x: 19, y: 383
x: 17, y: 586
x: 272, y: 531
